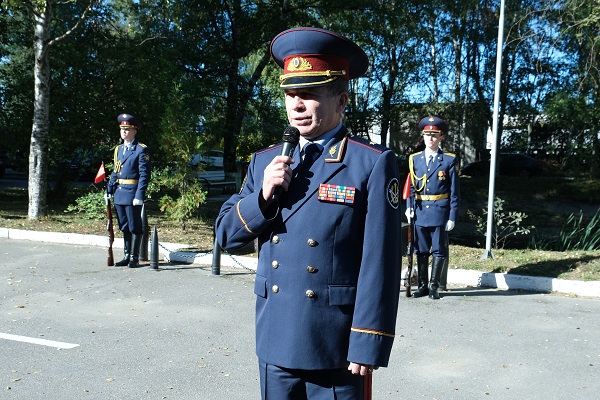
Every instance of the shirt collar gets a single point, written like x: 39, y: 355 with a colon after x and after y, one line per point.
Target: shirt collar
x: 323, y: 139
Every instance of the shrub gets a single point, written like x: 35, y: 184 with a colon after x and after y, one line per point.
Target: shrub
x: 91, y: 205
x: 505, y: 224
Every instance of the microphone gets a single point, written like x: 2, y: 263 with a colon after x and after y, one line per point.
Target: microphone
x: 291, y: 137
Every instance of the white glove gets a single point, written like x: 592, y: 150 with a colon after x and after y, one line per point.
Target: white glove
x: 137, y: 202
x: 449, y: 225
x: 410, y: 213
x: 107, y: 196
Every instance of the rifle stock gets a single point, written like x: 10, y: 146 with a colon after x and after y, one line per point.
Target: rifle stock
x: 111, y: 233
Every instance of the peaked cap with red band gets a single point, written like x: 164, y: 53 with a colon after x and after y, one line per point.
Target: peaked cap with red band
x: 127, y: 120
x: 312, y: 57
x: 433, y: 124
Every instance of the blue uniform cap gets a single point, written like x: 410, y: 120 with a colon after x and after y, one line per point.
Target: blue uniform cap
x: 312, y: 57
x: 127, y: 120
x: 433, y: 124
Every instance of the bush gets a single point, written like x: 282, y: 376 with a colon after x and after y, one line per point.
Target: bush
x: 91, y: 205
x: 505, y: 224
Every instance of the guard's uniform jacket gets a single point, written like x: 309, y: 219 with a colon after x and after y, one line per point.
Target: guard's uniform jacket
x: 131, y: 173
x: 435, y: 189
x: 328, y: 276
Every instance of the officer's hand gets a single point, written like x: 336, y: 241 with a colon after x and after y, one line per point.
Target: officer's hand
x: 107, y: 196
x: 137, y: 202
x: 277, y: 173
x: 410, y: 213
x: 449, y: 225
x: 361, y: 369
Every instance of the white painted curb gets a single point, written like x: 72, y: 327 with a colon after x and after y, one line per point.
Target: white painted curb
x: 175, y: 252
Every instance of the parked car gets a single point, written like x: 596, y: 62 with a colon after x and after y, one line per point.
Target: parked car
x: 508, y: 164
x: 210, y: 158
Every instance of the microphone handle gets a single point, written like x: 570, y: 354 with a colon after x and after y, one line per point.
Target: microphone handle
x: 286, y: 150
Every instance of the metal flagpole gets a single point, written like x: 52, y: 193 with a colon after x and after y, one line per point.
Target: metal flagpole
x: 490, y: 213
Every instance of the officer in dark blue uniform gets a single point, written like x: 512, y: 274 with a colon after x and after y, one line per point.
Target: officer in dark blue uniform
x: 433, y: 203
x: 328, y: 277
x: 128, y: 183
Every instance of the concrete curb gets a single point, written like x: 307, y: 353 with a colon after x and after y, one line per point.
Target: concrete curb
x: 174, y: 252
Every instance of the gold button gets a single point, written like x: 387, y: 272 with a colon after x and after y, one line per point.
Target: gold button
x: 310, y: 294
x: 275, y: 264
x: 275, y: 289
x: 311, y: 269
x: 312, y: 242
x: 275, y: 239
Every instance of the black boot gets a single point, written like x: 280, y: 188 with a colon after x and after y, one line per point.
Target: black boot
x: 444, y: 276
x: 436, y: 271
x: 126, y: 250
x: 423, y: 270
x: 135, y: 252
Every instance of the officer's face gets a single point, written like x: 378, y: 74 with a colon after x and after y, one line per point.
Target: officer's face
x: 314, y: 111
x: 432, y: 140
x: 128, y: 133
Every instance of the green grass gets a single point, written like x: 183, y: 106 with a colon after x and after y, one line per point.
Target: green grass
x: 575, y: 265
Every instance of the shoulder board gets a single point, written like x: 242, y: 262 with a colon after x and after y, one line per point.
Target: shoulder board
x: 142, y: 144
x: 367, y: 144
x: 450, y: 154
x: 270, y: 148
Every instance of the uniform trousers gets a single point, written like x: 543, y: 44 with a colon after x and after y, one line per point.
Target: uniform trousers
x: 277, y: 383
x: 129, y: 218
x: 431, y: 240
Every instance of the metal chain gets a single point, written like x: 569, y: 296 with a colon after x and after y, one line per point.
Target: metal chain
x: 192, y: 257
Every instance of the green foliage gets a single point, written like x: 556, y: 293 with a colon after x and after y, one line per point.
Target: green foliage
x: 506, y: 224
x: 181, y: 194
x: 91, y: 205
x: 575, y: 235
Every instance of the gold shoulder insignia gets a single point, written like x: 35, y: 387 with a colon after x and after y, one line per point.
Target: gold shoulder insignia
x: 143, y: 145
x: 451, y: 154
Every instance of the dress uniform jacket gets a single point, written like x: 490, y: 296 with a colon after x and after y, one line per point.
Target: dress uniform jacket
x: 434, y: 188
x: 131, y: 174
x: 328, y: 276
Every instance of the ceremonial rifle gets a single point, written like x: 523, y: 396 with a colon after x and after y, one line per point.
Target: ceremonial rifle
x: 111, y: 233
x: 101, y: 176
x: 409, y: 255
x: 368, y: 387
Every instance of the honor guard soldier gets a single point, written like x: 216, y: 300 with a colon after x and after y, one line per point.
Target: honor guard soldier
x: 128, y: 183
x: 435, y: 189
x: 328, y: 225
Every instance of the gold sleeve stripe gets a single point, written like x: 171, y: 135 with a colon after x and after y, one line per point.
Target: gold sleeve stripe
x: 372, y: 332
x: 237, y: 208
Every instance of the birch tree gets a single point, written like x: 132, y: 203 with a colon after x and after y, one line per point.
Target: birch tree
x: 42, y: 14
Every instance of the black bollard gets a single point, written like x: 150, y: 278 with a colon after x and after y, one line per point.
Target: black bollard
x: 154, y: 250
x: 145, y: 230
x: 216, y: 261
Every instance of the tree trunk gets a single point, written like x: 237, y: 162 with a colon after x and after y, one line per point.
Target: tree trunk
x: 38, y: 149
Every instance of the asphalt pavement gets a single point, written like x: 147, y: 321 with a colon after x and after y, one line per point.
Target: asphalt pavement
x: 73, y: 328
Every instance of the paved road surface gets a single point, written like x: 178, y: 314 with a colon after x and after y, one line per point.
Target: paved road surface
x: 181, y: 333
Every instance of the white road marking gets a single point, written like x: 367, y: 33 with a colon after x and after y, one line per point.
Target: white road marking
x: 43, y: 342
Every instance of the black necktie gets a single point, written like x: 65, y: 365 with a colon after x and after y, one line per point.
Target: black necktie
x: 311, y: 153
